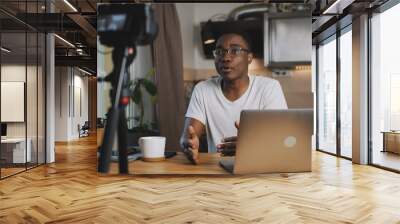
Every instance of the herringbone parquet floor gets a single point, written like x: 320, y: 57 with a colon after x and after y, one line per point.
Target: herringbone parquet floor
x: 70, y: 191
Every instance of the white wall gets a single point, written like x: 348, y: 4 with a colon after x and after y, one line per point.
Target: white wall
x: 61, y: 103
x: 186, y: 19
x: 81, y: 82
x: 104, y: 67
x: 13, y: 72
x: 67, y: 115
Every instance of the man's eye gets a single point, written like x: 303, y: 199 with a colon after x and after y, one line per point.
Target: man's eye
x: 219, y: 51
x: 235, y: 50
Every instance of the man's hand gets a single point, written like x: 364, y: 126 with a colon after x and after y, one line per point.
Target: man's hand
x: 191, y: 145
x: 228, y: 145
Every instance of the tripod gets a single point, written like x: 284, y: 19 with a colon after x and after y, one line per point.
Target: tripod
x: 116, y: 121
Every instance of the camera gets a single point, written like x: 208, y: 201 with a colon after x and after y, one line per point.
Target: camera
x: 126, y: 25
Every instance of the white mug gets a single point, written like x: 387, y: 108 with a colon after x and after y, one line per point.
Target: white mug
x: 152, y: 148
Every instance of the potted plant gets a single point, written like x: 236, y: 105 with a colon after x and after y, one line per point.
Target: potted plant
x: 137, y: 89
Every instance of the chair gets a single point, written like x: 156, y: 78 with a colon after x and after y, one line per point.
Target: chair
x: 84, y: 130
x: 100, y: 122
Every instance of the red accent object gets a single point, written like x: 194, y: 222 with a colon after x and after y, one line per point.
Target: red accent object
x: 130, y: 50
x: 124, y: 100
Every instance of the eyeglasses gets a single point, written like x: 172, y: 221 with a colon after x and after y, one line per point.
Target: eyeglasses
x: 234, y: 51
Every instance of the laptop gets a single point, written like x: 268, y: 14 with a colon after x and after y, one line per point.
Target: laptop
x: 272, y: 141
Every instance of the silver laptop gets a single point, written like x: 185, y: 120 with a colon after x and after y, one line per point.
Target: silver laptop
x: 272, y: 141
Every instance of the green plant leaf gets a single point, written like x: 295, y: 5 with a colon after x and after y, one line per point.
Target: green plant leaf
x: 137, y: 95
x: 150, y: 87
x: 137, y: 86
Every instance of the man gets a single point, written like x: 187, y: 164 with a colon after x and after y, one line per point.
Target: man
x: 216, y: 103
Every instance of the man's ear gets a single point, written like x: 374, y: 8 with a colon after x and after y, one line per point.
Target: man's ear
x: 250, y: 58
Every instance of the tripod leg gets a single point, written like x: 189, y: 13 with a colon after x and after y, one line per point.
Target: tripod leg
x: 113, y: 123
x: 108, y: 140
x: 122, y: 143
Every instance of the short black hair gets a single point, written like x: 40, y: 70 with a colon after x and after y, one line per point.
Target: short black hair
x: 242, y: 34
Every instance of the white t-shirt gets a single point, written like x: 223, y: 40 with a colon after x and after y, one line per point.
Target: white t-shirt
x: 209, y: 105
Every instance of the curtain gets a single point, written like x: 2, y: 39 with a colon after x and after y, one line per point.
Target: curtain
x: 168, y: 63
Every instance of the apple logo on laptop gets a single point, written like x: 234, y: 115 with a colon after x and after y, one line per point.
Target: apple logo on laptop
x: 290, y: 142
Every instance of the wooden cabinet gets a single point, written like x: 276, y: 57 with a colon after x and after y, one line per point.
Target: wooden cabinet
x: 391, y: 142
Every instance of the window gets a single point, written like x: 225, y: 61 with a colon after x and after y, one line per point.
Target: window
x: 334, y: 73
x: 385, y: 88
x: 346, y: 93
x: 327, y: 96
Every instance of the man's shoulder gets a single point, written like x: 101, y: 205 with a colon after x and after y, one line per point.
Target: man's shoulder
x: 209, y: 83
x: 263, y: 81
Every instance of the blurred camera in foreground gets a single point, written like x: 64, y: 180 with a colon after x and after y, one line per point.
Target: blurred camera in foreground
x: 120, y: 25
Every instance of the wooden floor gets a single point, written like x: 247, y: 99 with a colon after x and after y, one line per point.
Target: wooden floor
x: 5, y: 172
x: 386, y: 159
x: 70, y: 191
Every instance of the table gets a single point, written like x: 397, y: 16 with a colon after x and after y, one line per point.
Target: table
x: 391, y: 141
x: 177, y: 165
x: 15, y: 148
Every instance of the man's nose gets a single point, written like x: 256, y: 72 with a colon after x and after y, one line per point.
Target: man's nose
x: 226, y: 57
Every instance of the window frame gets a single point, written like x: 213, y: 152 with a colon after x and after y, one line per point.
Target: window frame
x: 333, y: 37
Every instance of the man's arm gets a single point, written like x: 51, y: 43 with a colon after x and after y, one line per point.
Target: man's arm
x: 189, y: 140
